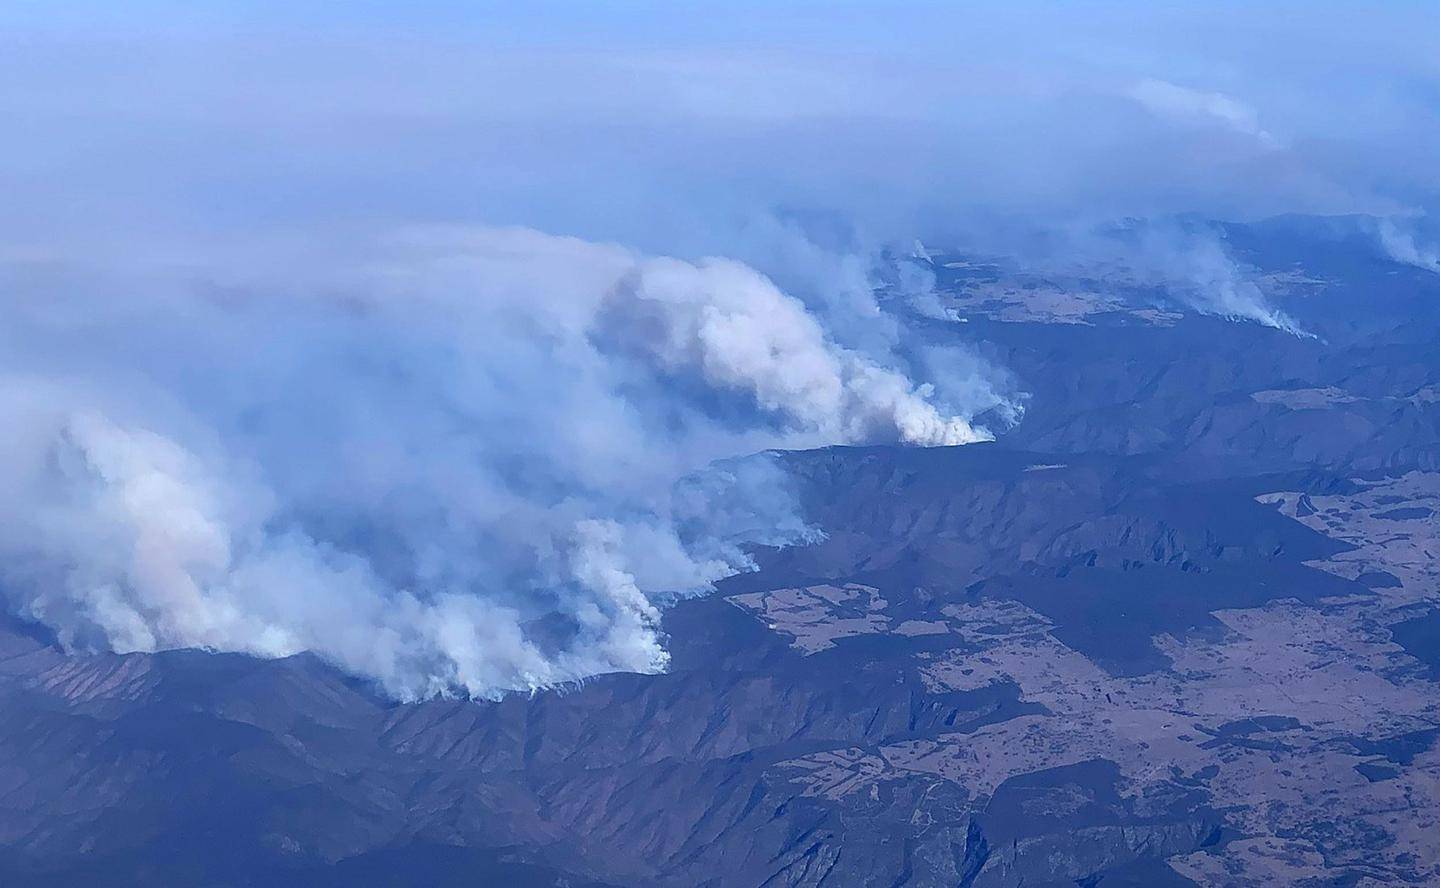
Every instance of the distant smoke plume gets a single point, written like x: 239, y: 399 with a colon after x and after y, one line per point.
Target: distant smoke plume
x: 1401, y: 242
x: 1183, y: 262
x: 473, y: 461
x: 1201, y: 272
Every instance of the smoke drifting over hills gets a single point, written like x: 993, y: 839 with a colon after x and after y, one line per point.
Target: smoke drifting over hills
x: 231, y: 420
x: 484, y: 429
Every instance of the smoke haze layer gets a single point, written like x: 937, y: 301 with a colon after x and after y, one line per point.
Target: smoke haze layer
x: 670, y: 126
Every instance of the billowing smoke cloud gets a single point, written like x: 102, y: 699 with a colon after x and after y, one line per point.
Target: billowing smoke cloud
x: 724, y: 322
x: 474, y: 460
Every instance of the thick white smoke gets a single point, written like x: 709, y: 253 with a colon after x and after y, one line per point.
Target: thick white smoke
x: 734, y: 329
x: 473, y: 461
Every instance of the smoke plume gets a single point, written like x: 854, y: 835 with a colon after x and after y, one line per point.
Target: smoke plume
x: 1402, y: 242
x: 1196, y: 268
